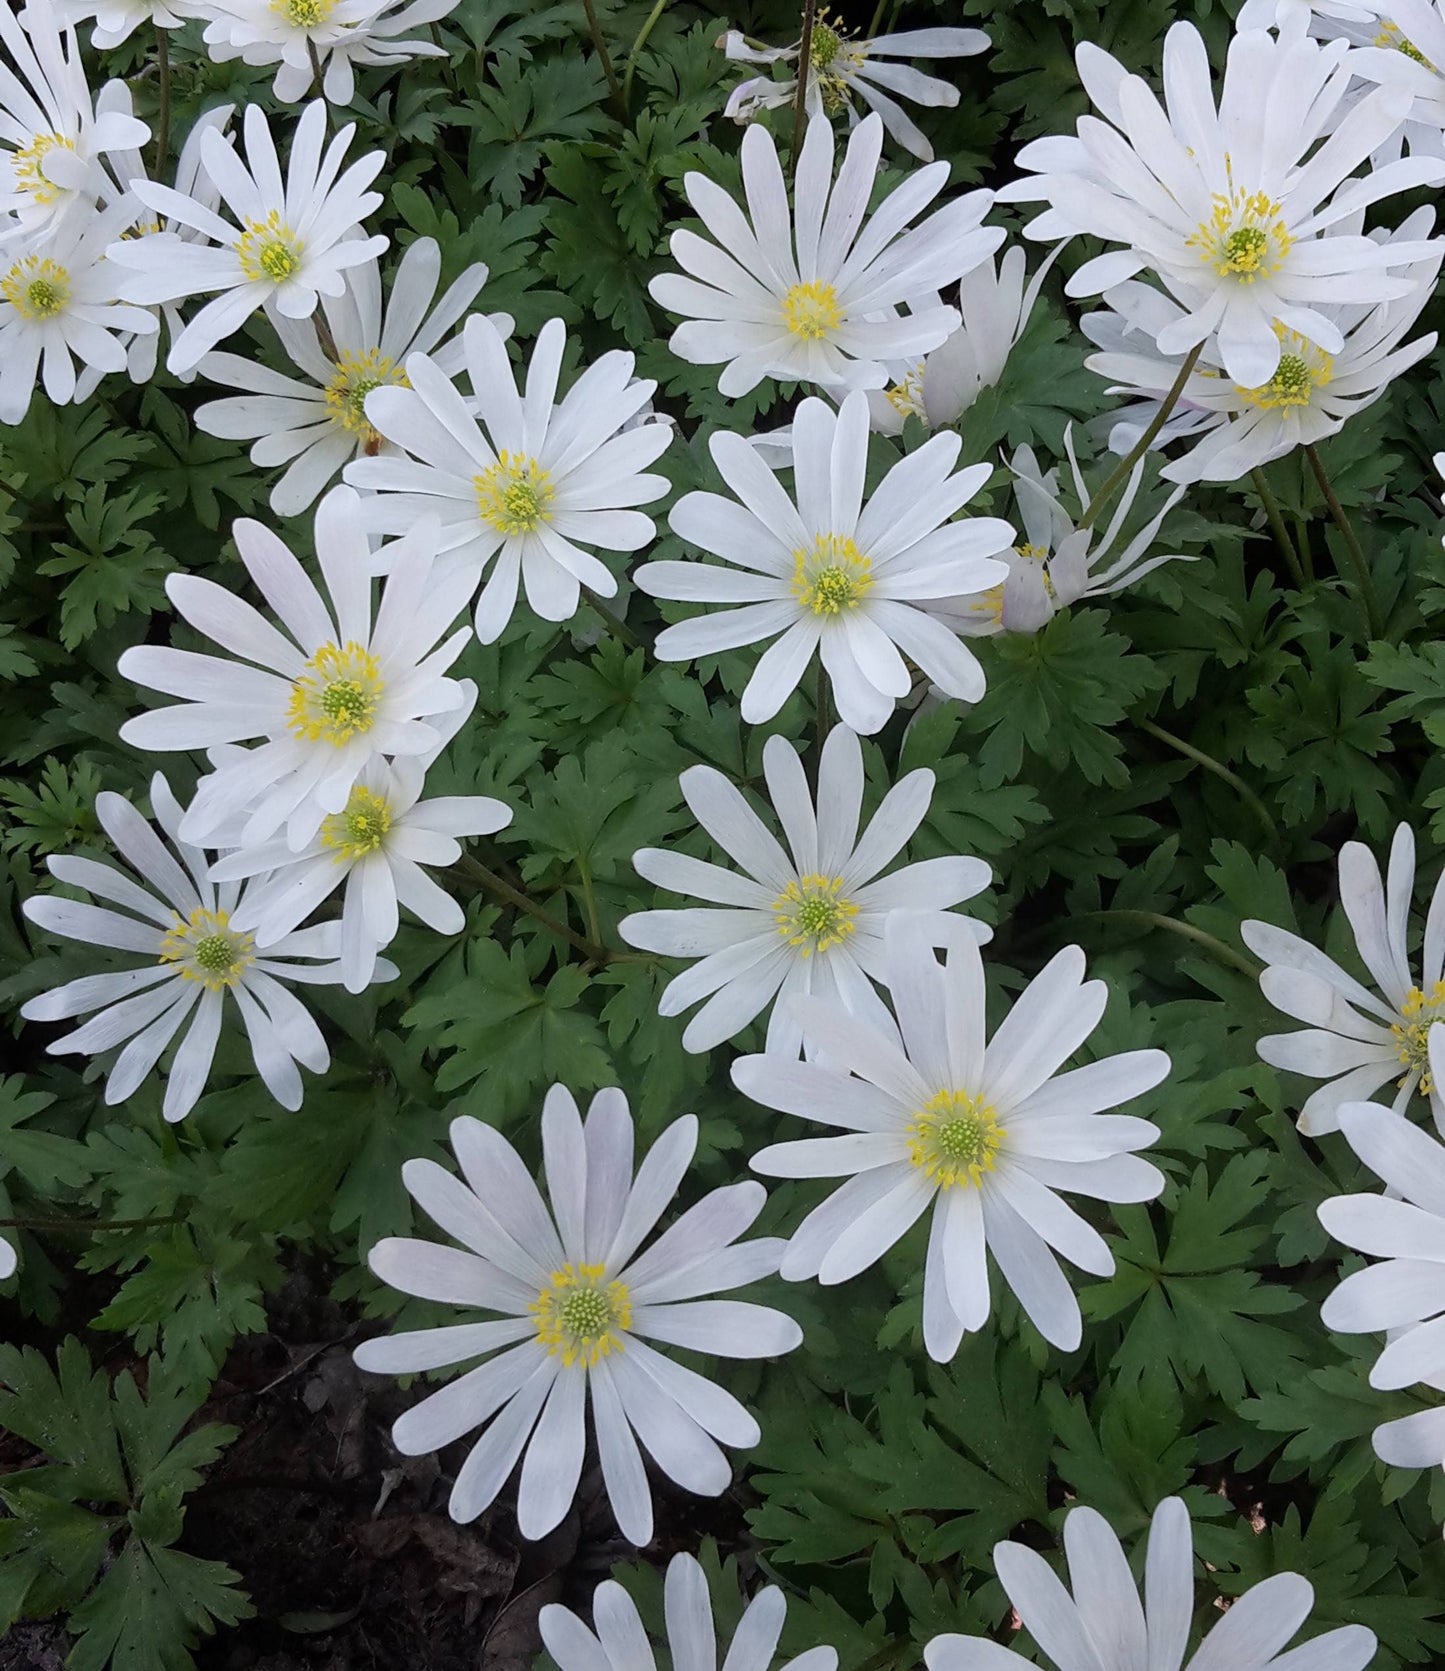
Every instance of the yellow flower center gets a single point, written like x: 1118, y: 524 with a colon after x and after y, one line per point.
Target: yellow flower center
x: 335, y: 699
x: 304, y: 14
x: 954, y: 1138
x: 831, y: 575
x: 360, y: 828
x: 833, y: 59
x: 36, y: 288
x: 906, y: 398
x: 269, y: 251
x: 29, y: 163
x: 1390, y: 37
x: 1411, y: 1033
x: 1302, y: 369
x: 515, y: 496
x: 812, y: 914
x: 355, y: 377
x: 812, y: 311
x: 1244, y: 237
x: 580, y: 1315
x: 208, y: 949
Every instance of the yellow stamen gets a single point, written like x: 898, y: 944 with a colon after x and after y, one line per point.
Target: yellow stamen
x: 1244, y: 237
x: 831, y: 575
x: 1302, y: 369
x: 29, y: 164
x: 515, y: 496
x: 906, y: 398
x: 355, y: 377
x: 360, y: 828
x: 812, y: 914
x: 269, y: 251
x: 954, y: 1138
x: 581, y: 1316
x: 1418, y: 1014
x: 336, y: 697
x: 36, y: 288
x: 304, y: 14
x: 208, y: 949
x: 1391, y: 38
x: 812, y: 311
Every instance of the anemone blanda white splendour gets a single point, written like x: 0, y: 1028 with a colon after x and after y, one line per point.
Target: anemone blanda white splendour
x: 578, y: 1303
x: 984, y: 1133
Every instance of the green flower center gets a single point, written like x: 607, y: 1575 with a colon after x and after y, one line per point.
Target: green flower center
x: 304, y: 14
x: 813, y: 914
x: 208, y: 949
x: 580, y: 1316
x: 1244, y: 238
x: 336, y: 697
x: 831, y: 576
x: 269, y: 251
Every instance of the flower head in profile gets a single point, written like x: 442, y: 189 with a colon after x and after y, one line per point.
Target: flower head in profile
x: 809, y: 292
x: 1356, y: 1039
x: 316, y: 423
x: 1311, y: 396
x: 61, y: 322
x: 117, y: 20
x: 1059, y: 564
x: 338, y: 687
x: 807, y: 919
x: 1402, y: 1293
x: 336, y: 35
x: 1104, y: 1626
x: 577, y: 1301
x: 51, y: 134
x: 618, y: 1642
x: 376, y: 848
x: 822, y: 572
x: 986, y: 1133
x: 840, y: 67
x: 528, y: 486
x: 289, y: 241
x: 197, y: 971
x: 1239, y: 219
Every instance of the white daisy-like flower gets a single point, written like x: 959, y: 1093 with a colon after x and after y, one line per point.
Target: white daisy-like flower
x: 805, y: 920
x: 840, y: 66
x: 1355, y: 1039
x: 1240, y: 219
x: 1103, y: 1626
x: 820, y: 570
x: 337, y: 688
x: 529, y: 482
x: 995, y: 305
x: 1401, y: 1295
x: 984, y: 1133
x: 578, y: 1304
x: 376, y: 846
x: 340, y: 33
x: 291, y: 241
x: 195, y: 961
x: 117, y: 20
x: 617, y: 1641
x: 51, y: 134
x: 60, y: 318
x: 807, y: 292
x: 316, y: 423
x: 1059, y: 564
x: 1310, y: 397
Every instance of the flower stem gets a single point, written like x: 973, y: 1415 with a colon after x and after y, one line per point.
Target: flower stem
x: 619, y: 103
x: 319, y: 76
x: 614, y: 623
x: 805, y: 60
x: 630, y: 69
x: 1221, y: 771
x: 1363, y: 580
x: 1121, y: 470
x: 494, y: 884
x: 88, y: 1224
x: 1277, y: 525
x: 1186, y: 931
x: 163, y: 115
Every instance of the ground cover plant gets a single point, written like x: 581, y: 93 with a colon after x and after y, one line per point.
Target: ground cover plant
x: 720, y: 835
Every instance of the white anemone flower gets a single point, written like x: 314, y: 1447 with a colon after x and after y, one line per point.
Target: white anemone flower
x: 316, y: 423
x: 1059, y: 564
x: 1356, y: 1039
x: 806, y: 920
x: 376, y: 847
x: 578, y: 1303
x: 840, y: 66
x: 531, y: 482
x: 808, y: 292
x: 821, y: 571
x: 617, y: 1641
x: 197, y: 965
x: 341, y: 34
x: 51, y: 135
x: 1239, y: 218
x: 117, y: 20
x: 61, y: 320
x: 1311, y: 396
x: 986, y: 1133
x: 1402, y: 1294
x: 338, y: 687
x: 1103, y: 1626
x: 995, y: 305
x: 292, y: 239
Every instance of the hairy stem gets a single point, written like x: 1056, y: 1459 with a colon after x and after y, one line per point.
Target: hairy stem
x: 1364, y: 582
x: 1120, y: 472
x: 86, y: 1225
x: 1186, y: 931
x: 614, y: 87
x: 1221, y: 771
x: 640, y: 41
x: 1277, y: 525
x: 476, y: 872
x: 800, y: 98
x: 614, y: 623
